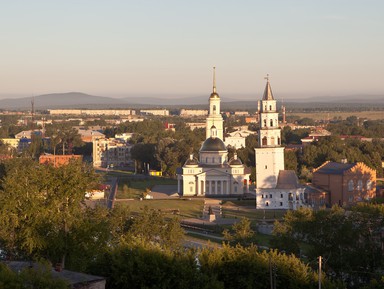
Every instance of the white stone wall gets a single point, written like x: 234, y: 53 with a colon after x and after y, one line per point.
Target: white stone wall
x: 269, y: 161
x: 287, y: 199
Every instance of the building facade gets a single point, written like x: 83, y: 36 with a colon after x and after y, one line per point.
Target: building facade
x: 275, y: 187
x: 346, y: 183
x: 111, y: 152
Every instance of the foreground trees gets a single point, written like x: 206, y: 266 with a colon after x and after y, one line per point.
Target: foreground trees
x: 350, y: 241
x: 42, y: 212
x: 227, y: 267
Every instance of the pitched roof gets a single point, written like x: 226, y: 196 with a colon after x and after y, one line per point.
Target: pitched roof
x: 287, y: 179
x: 334, y: 168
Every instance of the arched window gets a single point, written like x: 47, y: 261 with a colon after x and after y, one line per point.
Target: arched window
x: 271, y: 122
x: 267, y: 204
x: 265, y: 122
x: 264, y: 141
x: 359, y: 185
x: 369, y: 185
x: 270, y: 107
x: 350, y: 185
x: 265, y: 108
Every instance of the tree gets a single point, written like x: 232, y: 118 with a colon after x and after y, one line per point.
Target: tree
x: 42, y: 209
x: 347, y: 240
x: 240, y: 233
x: 37, y: 277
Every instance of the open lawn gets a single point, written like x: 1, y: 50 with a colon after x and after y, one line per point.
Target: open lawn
x: 131, y: 188
x: 247, y: 209
x: 187, y: 208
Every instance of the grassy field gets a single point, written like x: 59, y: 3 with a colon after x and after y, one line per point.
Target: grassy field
x: 373, y: 115
x: 187, y: 208
x: 246, y: 209
x: 133, y: 188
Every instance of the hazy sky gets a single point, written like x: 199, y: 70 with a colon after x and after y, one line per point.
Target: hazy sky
x: 117, y: 48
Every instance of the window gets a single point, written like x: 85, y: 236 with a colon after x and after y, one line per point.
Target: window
x: 270, y: 196
x: 350, y: 185
x: 267, y: 204
x: 272, y: 141
x: 266, y: 167
x: 281, y: 204
x: 265, y: 122
x: 270, y: 107
x: 213, y: 160
x: 369, y: 185
x: 235, y: 189
x: 281, y: 195
x: 359, y: 185
x: 191, y: 189
x: 271, y: 122
x: 214, y: 108
x: 262, y: 196
x: 264, y: 141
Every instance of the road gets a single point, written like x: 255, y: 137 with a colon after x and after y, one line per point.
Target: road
x: 112, y: 193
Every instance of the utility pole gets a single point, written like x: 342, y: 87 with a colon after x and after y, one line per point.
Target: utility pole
x: 270, y: 272
x: 319, y: 272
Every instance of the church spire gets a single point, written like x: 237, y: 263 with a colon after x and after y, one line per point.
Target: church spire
x: 214, y: 79
x: 214, y: 94
x: 268, y: 95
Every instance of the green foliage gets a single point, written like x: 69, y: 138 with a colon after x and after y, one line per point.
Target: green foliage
x: 42, y: 209
x: 334, y: 149
x: 240, y: 233
x: 35, y: 277
x: 349, y: 241
x: 151, y: 229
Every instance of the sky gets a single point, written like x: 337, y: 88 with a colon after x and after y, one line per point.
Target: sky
x: 115, y: 48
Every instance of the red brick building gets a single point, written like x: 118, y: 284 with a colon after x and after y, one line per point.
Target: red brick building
x: 345, y: 183
x: 58, y: 160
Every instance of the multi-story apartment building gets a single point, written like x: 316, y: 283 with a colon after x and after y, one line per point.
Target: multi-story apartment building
x: 109, y: 152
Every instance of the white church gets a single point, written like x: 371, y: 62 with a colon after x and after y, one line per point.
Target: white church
x: 276, y: 188
x: 212, y: 174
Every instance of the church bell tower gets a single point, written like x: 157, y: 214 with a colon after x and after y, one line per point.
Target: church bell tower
x: 269, y: 154
x: 214, y: 118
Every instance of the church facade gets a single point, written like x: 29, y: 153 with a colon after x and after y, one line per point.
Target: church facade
x: 211, y: 173
x: 276, y: 188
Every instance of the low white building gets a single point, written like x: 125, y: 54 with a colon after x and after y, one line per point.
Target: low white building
x: 288, y: 194
x: 160, y: 112
x: 193, y: 112
x: 237, y: 138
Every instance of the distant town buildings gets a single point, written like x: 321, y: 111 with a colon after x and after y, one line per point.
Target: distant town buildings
x: 109, y: 152
x: 193, y: 112
x: 91, y: 111
x: 58, y: 160
x: 89, y: 135
x: 159, y: 112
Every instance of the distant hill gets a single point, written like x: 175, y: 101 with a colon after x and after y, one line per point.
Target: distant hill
x: 82, y: 100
